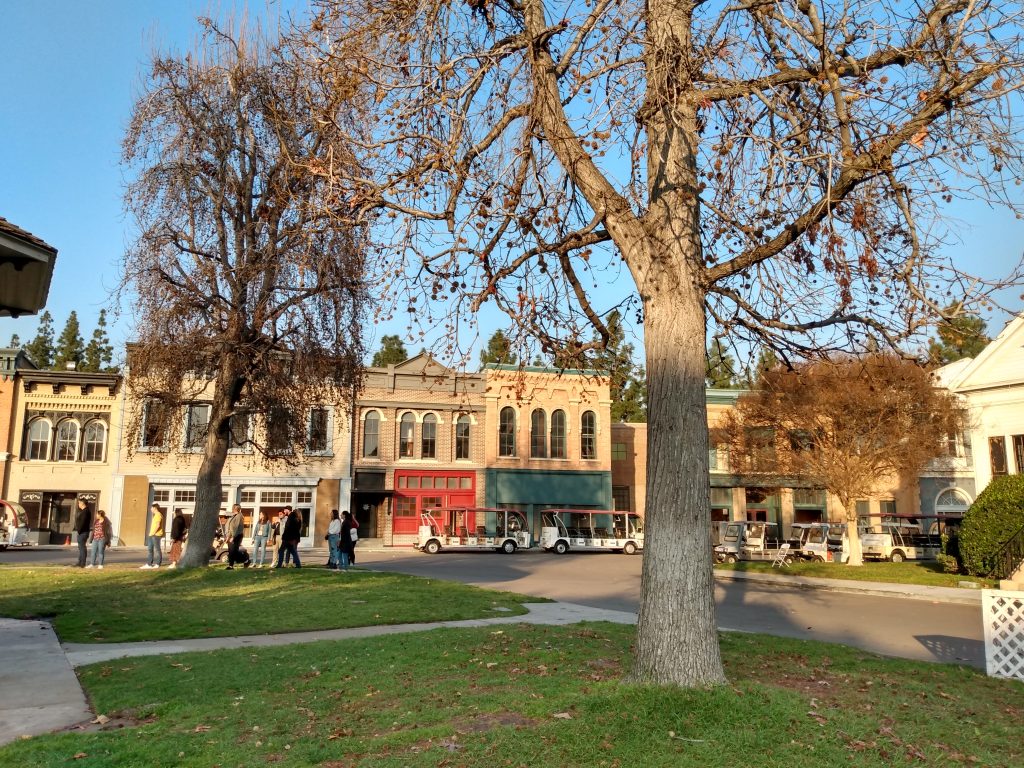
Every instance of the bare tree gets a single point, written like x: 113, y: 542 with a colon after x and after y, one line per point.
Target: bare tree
x: 247, y: 285
x: 845, y: 425
x: 772, y: 167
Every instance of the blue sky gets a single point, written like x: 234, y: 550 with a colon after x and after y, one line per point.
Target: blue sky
x: 68, y: 76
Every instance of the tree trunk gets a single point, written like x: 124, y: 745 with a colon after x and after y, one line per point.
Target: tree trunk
x: 677, y: 633
x: 853, y: 536
x: 208, y: 481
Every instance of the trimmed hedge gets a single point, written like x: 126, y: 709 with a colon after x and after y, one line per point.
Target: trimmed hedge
x: 993, y: 518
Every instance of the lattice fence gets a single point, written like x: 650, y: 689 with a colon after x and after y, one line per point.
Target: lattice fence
x: 1003, y: 614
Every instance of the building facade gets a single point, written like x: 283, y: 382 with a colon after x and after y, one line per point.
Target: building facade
x: 548, y: 437
x: 62, y: 445
x: 419, y: 444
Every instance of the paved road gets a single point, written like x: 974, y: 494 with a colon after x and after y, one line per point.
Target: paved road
x: 913, y: 629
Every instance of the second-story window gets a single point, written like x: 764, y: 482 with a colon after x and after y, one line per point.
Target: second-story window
x: 406, y: 433
x: 371, y: 435
x: 67, y: 440
x: 507, y: 432
x: 197, y: 421
x: 462, y: 437
x: 238, y: 432
x: 428, y: 437
x: 154, y: 424
x: 279, y: 436
x: 38, y: 443
x: 318, y: 437
x: 588, y: 435
x: 538, y: 435
x: 94, y: 442
x: 558, y: 435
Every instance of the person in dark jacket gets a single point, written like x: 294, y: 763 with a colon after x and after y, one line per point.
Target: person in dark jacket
x: 179, y: 526
x: 233, y: 532
x: 347, y: 544
x: 83, y: 528
x: 290, y: 536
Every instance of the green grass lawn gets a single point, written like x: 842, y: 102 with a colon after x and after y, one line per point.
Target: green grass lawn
x: 113, y: 605
x: 924, y: 572
x: 533, y: 696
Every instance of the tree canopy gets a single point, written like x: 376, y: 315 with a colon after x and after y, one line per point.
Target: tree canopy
x: 844, y: 425
x: 392, y: 351
x: 775, y: 170
x: 498, y: 350
x: 40, y: 348
x: 248, y: 288
x: 959, y: 337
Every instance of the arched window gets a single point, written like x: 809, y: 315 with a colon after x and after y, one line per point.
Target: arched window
x: 371, y: 434
x: 538, y: 435
x: 94, y: 441
x: 558, y: 435
x: 38, y: 447
x: 67, y: 440
x: 462, y: 437
x: 588, y: 435
x: 507, y: 432
x: 428, y: 437
x: 406, y: 431
x: 952, y: 501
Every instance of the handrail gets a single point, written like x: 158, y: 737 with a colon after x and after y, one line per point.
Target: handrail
x: 1009, y: 557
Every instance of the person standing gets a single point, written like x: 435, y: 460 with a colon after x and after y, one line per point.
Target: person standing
x: 290, y: 535
x: 100, y: 538
x: 233, y: 532
x: 334, y: 540
x: 178, y: 528
x: 355, y: 540
x: 155, y: 537
x: 260, y: 537
x: 83, y: 528
x: 347, y: 540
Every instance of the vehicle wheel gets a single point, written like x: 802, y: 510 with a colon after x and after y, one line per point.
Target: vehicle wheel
x: 897, y: 557
x: 629, y: 548
x: 730, y: 558
x: 3, y: 547
x: 433, y: 547
x: 508, y: 547
x: 561, y: 547
x: 819, y: 559
x: 222, y: 556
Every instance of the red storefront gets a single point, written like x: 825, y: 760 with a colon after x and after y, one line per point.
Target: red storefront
x: 419, y: 490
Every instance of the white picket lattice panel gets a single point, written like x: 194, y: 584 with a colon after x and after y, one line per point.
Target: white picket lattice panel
x: 1003, y: 614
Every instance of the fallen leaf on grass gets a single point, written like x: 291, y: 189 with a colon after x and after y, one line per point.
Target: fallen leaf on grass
x: 101, y: 720
x: 79, y: 755
x: 562, y: 716
x: 201, y: 729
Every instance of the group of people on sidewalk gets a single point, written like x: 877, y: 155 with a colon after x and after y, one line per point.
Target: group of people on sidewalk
x: 281, y: 537
x: 93, y: 535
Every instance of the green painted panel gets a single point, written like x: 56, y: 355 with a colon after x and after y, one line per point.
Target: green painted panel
x: 550, y: 488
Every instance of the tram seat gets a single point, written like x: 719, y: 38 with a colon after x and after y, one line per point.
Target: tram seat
x: 601, y: 533
x: 481, y: 530
x: 463, y: 533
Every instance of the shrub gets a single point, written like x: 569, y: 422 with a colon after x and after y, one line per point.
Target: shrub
x: 948, y: 563
x: 993, y: 518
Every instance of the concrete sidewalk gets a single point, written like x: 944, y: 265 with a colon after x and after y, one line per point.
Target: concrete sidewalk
x: 957, y: 595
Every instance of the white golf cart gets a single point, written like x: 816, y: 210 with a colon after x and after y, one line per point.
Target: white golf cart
x: 591, y: 530
x: 820, y: 542
x: 13, y: 525
x: 499, y: 530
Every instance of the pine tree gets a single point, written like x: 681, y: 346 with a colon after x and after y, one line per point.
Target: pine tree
x: 99, y: 353
x: 766, y: 361
x: 391, y: 352
x: 15, y: 341
x: 721, y: 367
x: 627, y: 381
x: 960, y: 337
x: 40, y: 349
x: 499, y: 350
x: 70, y: 346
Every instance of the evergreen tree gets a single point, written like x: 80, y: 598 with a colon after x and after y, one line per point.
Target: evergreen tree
x: 40, y: 349
x: 99, y: 354
x: 766, y: 361
x: 721, y: 367
x: 959, y: 337
x: 627, y: 381
x: 499, y: 350
x: 15, y: 341
x: 391, y: 352
x: 70, y: 346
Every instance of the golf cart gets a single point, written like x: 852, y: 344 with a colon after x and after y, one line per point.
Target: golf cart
x: 13, y: 525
